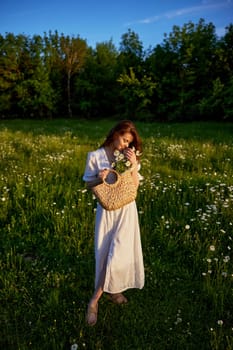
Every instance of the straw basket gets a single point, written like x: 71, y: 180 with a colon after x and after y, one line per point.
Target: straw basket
x: 115, y: 195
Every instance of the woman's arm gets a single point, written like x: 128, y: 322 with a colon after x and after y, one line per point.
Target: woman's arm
x: 135, y: 176
x: 131, y: 156
x: 99, y: 179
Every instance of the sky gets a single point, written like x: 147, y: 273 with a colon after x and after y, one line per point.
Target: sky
x: 98, y: 21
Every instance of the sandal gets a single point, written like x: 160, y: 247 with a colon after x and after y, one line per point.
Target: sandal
x: 91, y: 316
x: 118, y: 298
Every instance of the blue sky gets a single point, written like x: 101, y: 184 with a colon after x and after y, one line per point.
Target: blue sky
x: 103, y: 20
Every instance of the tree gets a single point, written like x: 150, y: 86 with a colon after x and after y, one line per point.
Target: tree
x: 136, y: 93
x: 131, y: 52
x: 184, y: 67
x: 11, y: 49
x: 73, y: 53
x: 96, y: 87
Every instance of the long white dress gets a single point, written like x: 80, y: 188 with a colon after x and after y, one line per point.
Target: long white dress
x: 118, y: 252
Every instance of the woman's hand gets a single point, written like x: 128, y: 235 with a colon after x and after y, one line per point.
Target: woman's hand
x: 130, y: 155
x: 103, y: 174
x: 100, y: 177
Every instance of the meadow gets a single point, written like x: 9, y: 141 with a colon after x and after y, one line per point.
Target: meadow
x: 185, y: 206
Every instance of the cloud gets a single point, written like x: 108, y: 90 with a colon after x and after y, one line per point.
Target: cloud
x: 206, y: 6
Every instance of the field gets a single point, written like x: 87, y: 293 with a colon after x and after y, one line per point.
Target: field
x: 185, y: 205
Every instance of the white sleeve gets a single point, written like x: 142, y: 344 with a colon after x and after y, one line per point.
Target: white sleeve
x: 91, y: 169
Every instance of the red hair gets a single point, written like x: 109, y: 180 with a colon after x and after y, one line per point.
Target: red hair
x: 125, y: 126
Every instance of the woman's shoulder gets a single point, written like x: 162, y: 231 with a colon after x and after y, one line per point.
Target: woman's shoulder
x: 96, y: 153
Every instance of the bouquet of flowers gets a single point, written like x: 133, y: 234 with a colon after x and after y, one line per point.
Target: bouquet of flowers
x: 121, y: 163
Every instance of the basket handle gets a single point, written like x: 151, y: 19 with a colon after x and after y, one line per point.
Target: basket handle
x: 117, y: 177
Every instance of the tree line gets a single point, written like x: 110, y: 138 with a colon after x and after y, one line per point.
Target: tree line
x: 186, y: 77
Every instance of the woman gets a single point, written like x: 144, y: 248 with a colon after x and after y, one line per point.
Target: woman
x: 118, y: 252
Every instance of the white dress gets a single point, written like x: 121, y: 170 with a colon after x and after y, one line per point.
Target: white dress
x: 118, y: 251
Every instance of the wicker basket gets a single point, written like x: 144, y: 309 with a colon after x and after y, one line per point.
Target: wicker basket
x: 115, y: 195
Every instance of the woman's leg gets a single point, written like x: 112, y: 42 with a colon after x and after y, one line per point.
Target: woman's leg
x: 92, y: 309
x: 118, y: 298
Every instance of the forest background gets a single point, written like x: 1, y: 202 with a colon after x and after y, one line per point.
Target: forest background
x: 185, y: 78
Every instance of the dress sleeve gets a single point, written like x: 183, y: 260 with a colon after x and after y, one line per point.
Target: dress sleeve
x: 141, y: 178
x: 91, y: 169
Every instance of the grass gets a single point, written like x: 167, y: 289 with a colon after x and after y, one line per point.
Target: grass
x: 46, y: 245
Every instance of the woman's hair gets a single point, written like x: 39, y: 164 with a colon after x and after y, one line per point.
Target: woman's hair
x: 125, y: 126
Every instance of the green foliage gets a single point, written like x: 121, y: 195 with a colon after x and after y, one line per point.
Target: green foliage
x: 136, y: 93
x: 185, y: 207
x: 187, y: 77
x: 96, y: 84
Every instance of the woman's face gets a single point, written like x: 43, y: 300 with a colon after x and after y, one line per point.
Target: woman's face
x: 122, y: 141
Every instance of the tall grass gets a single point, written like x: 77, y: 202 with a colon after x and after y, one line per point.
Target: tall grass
x: 185, y: 207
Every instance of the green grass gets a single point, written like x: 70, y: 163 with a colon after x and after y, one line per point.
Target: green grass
x: 185, y: 206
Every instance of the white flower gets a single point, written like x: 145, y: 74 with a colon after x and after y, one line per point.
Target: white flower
x: 116, y: 153
x: 226, y: 259
x: 74, y: 347
x: 138, y: 153
x: 212, y: 248
x: 220, y: 322
x: 187, y: 227
x: 121, y: 163
x: 121, y: 156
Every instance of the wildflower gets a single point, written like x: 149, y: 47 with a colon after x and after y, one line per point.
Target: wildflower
x: 178, y: 320
x: 212, y: 248
x: 220, y: 322
x: 116, y: 153
x: 187, y: 227
x: 74, y: 347
x: 121, y: 163
x: 226, y: 259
